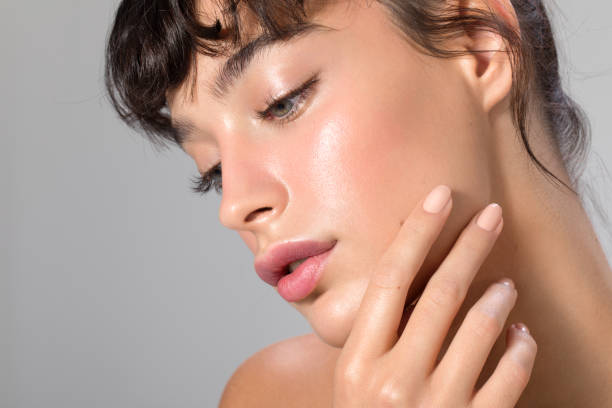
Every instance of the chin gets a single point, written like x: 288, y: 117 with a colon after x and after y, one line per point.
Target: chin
x: 332, y: 322
x: 332, y: 314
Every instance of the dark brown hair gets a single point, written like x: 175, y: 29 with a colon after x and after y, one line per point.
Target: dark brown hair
x: 153, y: 45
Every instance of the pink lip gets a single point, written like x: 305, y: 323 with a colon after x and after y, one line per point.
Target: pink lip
x: 272, y: 266
x: 301, y: 282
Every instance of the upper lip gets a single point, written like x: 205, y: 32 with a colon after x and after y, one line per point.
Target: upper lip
x: 273, y: 264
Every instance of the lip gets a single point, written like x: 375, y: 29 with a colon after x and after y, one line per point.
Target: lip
x: 272, y: 265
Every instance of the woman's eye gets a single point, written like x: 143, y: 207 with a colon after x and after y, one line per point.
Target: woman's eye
x: 282, y: 110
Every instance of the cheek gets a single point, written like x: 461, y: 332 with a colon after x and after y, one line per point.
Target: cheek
x: 333, y: 314
x: 370, y: 162
x: 372, y: 165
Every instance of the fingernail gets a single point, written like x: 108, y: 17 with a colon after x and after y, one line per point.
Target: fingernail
x: 500, y: 226
x: 517, y: 337
x: 507, y: 282
x: 490, y: 217
x: 437, y: 199
x: 520, y: 327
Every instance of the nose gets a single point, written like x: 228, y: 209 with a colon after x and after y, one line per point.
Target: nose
x: 253, y: 193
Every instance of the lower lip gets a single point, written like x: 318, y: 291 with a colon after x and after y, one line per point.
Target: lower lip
x: 298, y: 284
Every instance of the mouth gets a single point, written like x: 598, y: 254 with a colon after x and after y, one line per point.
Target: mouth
x: 286, y: 258
x: 302, y: 277
x: 293, y: 266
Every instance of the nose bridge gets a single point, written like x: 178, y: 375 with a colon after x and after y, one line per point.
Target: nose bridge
x: 252, y: 194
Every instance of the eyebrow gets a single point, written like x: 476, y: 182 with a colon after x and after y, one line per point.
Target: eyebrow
x: 236, y: 66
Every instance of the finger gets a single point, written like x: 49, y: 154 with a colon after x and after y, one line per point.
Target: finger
x: 512, y: 373
x: 433, y: 314
x: 375, y: 327
x: 466, y: 356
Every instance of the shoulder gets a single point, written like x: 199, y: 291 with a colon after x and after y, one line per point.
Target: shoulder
x: 294, y: 372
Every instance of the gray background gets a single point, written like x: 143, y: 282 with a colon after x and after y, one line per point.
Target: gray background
x: 118, y: 286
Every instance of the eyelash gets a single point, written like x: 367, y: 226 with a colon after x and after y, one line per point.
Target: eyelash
x: 201, y: 184
x: 301, y: 93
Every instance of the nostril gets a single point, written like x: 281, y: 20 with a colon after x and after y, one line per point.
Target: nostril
x: 255, y: 213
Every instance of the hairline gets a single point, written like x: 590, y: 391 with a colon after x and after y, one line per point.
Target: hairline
x: 236, y: 66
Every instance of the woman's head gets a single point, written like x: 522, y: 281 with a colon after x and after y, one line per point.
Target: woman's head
x: 381, y: 116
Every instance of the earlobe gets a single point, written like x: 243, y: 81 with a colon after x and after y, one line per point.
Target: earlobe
x: 487, y: 67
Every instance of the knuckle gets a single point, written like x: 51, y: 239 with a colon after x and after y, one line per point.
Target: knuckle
x: 484, y: 325
x: 388, y: 274
x: 441, y: 385
x: 445, y: 292
x: 436, y: 395
x: 415, y: 227
x: 389, y: 395
x: 352, y: 378
x: 349, y: 375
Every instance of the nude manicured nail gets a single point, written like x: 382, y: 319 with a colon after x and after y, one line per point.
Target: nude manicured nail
x: 520, y: 327
x: 437, y: 199
x: 490, y: 218
x: 507, y: 281
x: 519, y: 333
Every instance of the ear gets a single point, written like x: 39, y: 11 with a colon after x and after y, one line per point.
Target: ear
x: 488, y: 74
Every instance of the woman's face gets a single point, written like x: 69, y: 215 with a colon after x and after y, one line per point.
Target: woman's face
x: 383, y: 126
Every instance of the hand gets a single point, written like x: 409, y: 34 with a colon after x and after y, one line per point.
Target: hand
x: 378, y: 368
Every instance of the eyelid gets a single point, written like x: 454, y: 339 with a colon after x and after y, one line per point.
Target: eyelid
x: 212, y: 170
x: 271, y: 102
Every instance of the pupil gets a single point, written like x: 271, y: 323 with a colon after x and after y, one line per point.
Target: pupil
x: 282, y: 108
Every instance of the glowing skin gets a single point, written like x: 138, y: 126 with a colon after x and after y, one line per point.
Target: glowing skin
x: 382, y: 127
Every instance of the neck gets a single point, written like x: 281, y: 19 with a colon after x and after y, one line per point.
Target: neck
x: 565, y: 298
x: 564, y: 282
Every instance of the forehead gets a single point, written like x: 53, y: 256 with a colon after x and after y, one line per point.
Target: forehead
x: 359, y: 32
x: 205, y: 69
x: 210, y: 13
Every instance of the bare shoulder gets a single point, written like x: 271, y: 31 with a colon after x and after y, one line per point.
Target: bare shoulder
x: 296, y: 372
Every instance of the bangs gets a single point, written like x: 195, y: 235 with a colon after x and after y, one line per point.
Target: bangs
x: 153, y: 46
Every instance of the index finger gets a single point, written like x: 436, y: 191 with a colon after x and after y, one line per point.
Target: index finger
x: 375, y: 327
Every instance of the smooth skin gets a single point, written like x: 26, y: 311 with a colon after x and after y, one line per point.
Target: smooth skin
x: 384, y: 126
x: 368, y: 372
x: 406, y: 371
